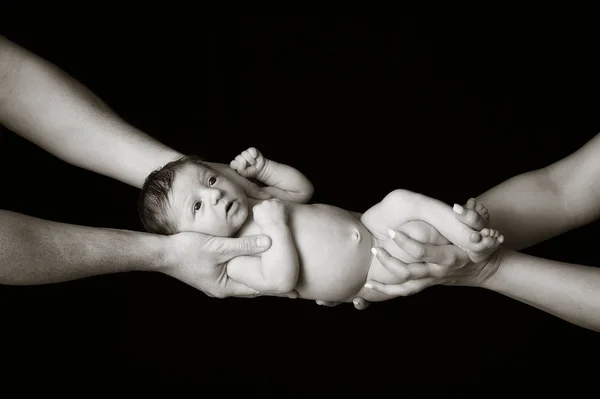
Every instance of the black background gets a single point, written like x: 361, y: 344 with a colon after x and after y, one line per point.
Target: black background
x: 446, y: 105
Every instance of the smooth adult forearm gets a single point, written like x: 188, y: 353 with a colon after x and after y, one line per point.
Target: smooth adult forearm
x: 36, y: 251
x: 571, y: 292
x: 527, y: 209
x: 54, y: 111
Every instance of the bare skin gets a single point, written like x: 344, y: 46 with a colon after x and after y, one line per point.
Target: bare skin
x: 528, y: 208
x: 46, y: 106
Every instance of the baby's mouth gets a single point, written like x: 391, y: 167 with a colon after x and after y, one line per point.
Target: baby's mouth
x: 228, y: 207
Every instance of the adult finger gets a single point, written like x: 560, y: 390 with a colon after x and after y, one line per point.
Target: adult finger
x: 360, y: 303
x: 228, y: 248
x: 233, y: 288
x: 444, y: 255
x: 411, y: 271
x: 395, y: 266
x: 407, y: 288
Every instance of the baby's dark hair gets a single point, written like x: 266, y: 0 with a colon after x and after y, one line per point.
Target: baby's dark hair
x: 154, y: 197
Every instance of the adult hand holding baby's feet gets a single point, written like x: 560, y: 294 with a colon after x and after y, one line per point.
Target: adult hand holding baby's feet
x: 444, y: 264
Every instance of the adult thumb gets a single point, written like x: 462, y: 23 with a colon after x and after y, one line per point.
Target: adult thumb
x: 248, y: 245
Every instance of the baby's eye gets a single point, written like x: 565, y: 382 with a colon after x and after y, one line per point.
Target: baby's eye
x: 212, y: 181
x: 197, y: 206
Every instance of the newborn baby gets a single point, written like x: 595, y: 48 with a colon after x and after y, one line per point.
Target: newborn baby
x: 320, y: 251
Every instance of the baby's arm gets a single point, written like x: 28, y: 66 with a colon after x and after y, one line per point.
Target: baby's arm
x: 276, y: 271
x: 283, y: 181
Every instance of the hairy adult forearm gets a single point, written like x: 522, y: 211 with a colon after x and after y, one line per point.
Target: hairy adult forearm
x: 36, y: 251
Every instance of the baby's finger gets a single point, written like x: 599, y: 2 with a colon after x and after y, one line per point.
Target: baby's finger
x: 249, y: 158
x: 241, y: 160
x: 235, y: 165
x: 253, y: 151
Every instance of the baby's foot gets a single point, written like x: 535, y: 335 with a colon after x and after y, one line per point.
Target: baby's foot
x: 474, y: 214
x: 250, y: 163
x: 486, y: 241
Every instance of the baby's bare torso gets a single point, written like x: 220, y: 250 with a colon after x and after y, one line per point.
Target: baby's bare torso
x: 334, y: 249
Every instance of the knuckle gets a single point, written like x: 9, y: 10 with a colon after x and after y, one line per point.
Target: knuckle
x: 450, y: 259
x: 245, y: 245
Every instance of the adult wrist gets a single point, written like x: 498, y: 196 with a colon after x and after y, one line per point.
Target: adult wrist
x: 491, y: 279
x: 162, y: 250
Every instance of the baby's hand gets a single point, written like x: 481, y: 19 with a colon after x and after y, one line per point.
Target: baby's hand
x: 269, y: 212
x: 251, y: 164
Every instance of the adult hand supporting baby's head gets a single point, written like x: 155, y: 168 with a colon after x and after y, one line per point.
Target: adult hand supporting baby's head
x: 200, y: 260
x: 251, y: 189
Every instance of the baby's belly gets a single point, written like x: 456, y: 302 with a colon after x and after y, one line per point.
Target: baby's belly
x: 334, y: 250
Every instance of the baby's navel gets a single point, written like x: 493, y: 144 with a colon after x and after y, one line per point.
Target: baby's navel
x: 356, y: 236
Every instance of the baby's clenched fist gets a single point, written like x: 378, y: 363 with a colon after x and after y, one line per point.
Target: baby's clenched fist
x: 251, y: 164
x: 269, y: 212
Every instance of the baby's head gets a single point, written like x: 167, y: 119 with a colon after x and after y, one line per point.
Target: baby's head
x: 188, y: 195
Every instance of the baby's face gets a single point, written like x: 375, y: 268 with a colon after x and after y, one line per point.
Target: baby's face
x: 205, y: 201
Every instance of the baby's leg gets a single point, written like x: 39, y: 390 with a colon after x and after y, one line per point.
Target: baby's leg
x: 417, y: 230
x: 402, y: 206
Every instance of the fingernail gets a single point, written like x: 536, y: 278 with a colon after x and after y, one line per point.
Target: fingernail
x: 458, y: 209
x: 374, y: 251
x: 369, y: 286
x: 262, y: 241
x: 392, y: 233
x: 264, y: 194
x: 356, y: 302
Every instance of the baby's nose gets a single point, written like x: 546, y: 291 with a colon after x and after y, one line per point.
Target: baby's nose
x: 215, y: 195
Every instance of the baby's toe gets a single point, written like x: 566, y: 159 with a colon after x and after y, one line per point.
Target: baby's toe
x: 479, y: 208
x: 470, y: 203
x: 469, y: 217
x: 475, y: 237
x: 489, y: 242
